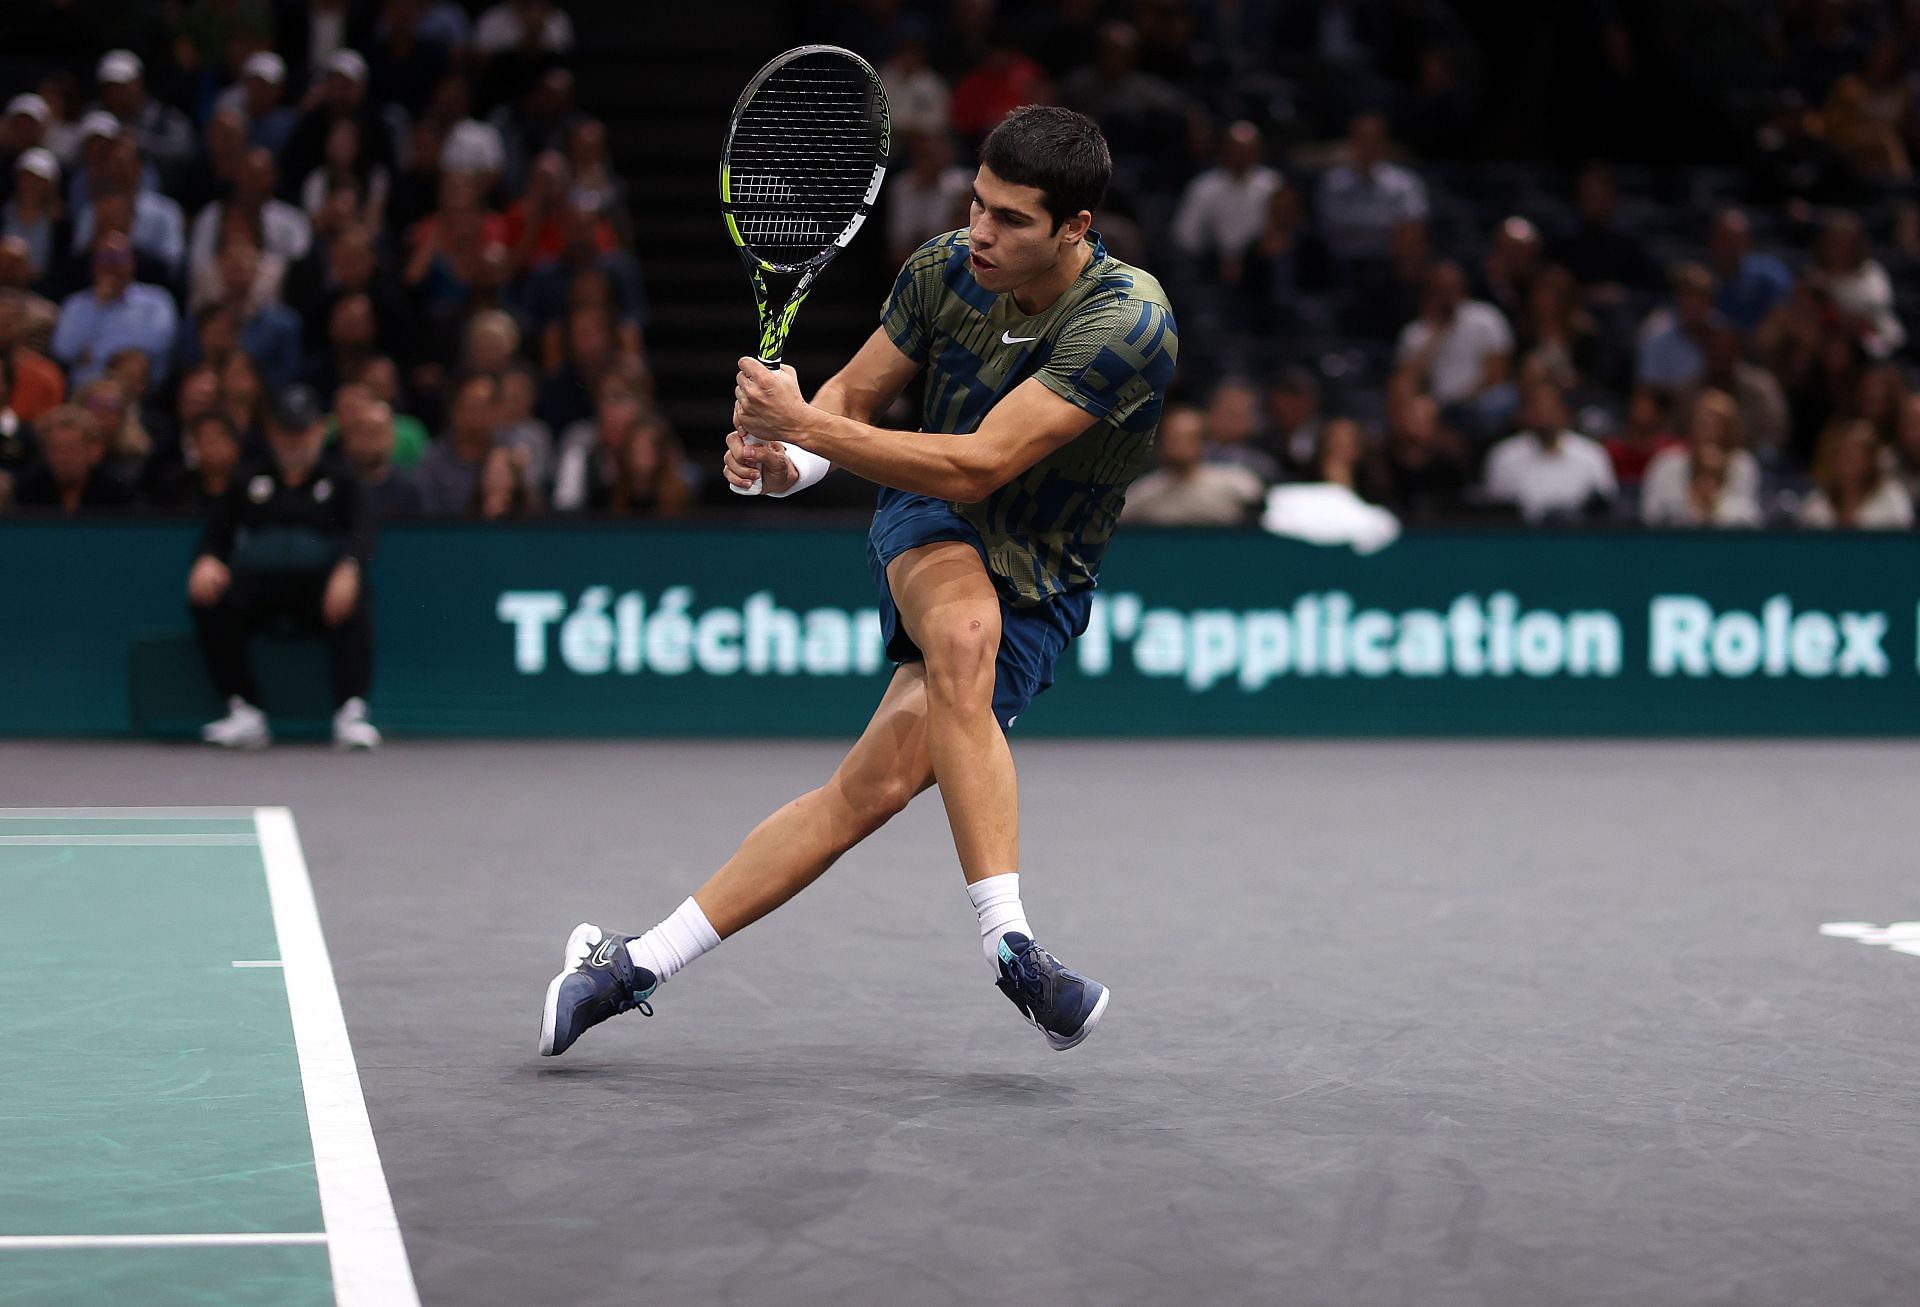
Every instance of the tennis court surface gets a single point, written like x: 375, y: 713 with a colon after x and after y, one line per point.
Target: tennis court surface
x: 1435, y: 1024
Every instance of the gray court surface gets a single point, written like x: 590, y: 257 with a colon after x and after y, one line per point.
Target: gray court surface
x: 1427, y: 1024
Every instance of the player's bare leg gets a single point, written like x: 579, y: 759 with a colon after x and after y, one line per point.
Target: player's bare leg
x: 795, y: 845
x: 952, y: 612
x: 604, y: 973
x: 950, y: 609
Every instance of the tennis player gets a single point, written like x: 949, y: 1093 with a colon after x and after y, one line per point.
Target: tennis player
x: 1047, y: 364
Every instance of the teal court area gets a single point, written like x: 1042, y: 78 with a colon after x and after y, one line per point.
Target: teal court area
x: 180, y: 1121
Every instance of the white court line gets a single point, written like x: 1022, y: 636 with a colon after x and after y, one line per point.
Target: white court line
x: 126, y: 814
x: 368, y: 1256
x: 137, y: 839
x: 264, y: 962
x: 28, y: 1242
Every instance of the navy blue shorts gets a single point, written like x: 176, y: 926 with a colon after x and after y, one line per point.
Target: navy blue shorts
x: 1031, y: 638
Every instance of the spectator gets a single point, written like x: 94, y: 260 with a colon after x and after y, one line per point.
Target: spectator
x: 117, y: 311
x: 342, y: 94
x: 1293, y: 422
x: 1607, y: 262
x: 1870, y: 111
x: 1233, y: 428
x: 1647, y: 433
x: 504, y: 489
x: 37, y: 382
x: 917, y: 97
x: 1420, y: 471
x: 158, y: 228
x: 344, y: 165
x: 1857, y: 490
x: 449, y: 472
x: 1513, y: 261
x: 1557, y: 334
x: 216, y: 169
x: 1752, y: 284
x: 1224, y: 209
x: 542, y: 121
x: 351, y: 341
x: 567, y: 395
x: 212, y: 452
x: 71, y: 476
x: 1710, y: 500
x: 161, y: 131
x: 36, y: 213
x: 653, y: 477
x: 593, y: 175
x: 1763, y: 406
x: 243, y: 396
x: 534, y: 232
x: 1460, y: 351
x: 1545, y: 470
x: 166, y: 470
x: 124, y: 441
x: 405, y: 62
x: 519, y: 429
x: 290, y: 538
x: 366, y: 438
x: 531, y: 25
x: 1672, y: 352
x: 263, y: 81
x: 1342, y: 457
x: 1362, y: 200
x: 998, y: 84
x: 588, y: 463
x: 351, y: 266
x: 269, y: 332
x: 280, y: 229
x: 555, y: 289
x: 930, y: 197
x: 1186, y: 489
x: 410, y: 435
x: 1668, y: 496
x: 1855, y: 286
x: 407, y: 438
x: 23, y: 127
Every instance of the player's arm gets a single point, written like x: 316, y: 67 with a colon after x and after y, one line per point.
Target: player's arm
x: 1022, y: 429
x: 862, y: 390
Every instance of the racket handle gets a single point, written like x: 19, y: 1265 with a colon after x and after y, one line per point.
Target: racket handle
x: 758, y: 487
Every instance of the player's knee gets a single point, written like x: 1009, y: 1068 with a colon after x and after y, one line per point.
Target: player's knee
x: 960, y: 655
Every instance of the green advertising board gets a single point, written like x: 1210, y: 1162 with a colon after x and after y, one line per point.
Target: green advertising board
x: 588, y: 630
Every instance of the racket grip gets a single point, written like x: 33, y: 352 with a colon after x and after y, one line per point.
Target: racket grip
x: 758, y: 487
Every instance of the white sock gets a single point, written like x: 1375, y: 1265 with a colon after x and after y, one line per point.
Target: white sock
x: 997, y: 901
x: 675, y: 942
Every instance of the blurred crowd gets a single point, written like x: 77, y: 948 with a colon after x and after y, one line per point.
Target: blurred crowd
x: 1393, y: 270
x: 395, y: 206
x: 1393, y: 274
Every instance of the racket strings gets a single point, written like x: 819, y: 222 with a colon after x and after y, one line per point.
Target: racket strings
x: 802, y: 159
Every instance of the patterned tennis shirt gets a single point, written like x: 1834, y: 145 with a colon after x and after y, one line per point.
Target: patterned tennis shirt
x: 1106, y: 346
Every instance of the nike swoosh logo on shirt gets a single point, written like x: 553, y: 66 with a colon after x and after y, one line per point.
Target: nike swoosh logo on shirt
x: 1008, y: 338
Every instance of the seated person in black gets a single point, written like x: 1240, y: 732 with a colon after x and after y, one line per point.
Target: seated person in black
x: 289, y: 539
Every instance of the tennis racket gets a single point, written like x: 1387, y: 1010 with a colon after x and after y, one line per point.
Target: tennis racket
x: 805, y: 155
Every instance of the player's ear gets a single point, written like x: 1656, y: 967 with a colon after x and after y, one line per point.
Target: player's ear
x: 1075, y: 229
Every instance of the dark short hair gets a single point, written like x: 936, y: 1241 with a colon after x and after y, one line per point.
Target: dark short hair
x: 1057, y: 151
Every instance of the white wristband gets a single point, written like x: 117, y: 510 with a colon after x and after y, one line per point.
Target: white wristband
x: 811, y: 468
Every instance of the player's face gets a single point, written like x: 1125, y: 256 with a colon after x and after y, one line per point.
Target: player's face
x: 1012, y: 234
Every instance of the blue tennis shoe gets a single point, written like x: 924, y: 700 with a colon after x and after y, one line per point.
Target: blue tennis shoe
x: 1064, y: 1005
x: 598, y: 980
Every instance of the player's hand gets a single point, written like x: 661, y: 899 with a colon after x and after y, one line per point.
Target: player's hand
x: 768, y: 403
x: 343, y: 592
x: 207, y: 581
x: 747, y: 463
